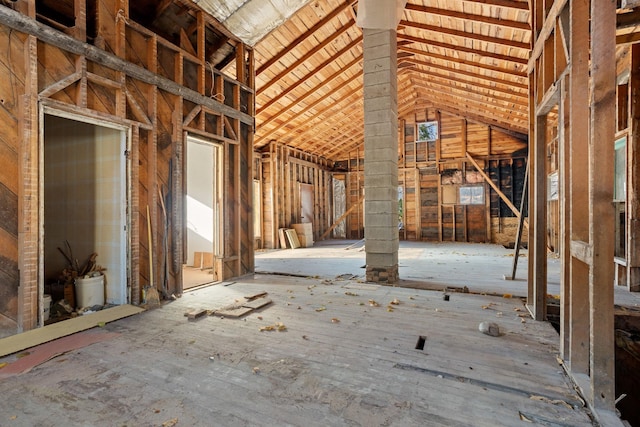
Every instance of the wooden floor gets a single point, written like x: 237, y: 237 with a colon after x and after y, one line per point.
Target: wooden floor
x: 341, y: 361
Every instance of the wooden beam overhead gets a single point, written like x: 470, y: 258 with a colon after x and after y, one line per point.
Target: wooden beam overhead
x: 299, y: 100
x: 334, y: 35
x: 469, y: 17
x: 302, y: 37
x: 512, y: 4
x: 315, y: 71
x: 310, y: 106
x: 509, y: 84
x: 467, y: 35
x: 472, y: 88
x: 481, y: 53
x: 511, y: 71
x: 483, y: 104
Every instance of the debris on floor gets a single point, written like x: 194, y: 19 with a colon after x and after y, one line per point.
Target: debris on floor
x: 195, y: 314
x: 489, y: 328
x: 242, y: 308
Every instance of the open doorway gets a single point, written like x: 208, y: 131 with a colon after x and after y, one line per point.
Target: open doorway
x: 84, y: 221
x: 203, y: 212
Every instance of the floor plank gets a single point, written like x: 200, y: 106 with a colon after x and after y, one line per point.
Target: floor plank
x: 339, y: 362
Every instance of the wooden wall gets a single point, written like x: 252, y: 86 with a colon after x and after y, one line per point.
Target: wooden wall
x: 131, y: 77
x: 11, y: 89
x: 432, y: 172
x: 283, y: 169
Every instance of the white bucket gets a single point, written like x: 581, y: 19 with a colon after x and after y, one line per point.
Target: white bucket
x: 46, y: 306
x: 90, y: 291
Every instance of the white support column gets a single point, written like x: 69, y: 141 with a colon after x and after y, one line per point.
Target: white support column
x: 381, y: 155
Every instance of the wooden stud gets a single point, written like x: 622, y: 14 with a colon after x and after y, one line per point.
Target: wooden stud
x: 578, y: 178
x: 601, y: 212
x: 633, y: 175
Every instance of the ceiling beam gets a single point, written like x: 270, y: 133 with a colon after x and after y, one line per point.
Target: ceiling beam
x: 482, y: 53
x: 511, y: 4
x: 334, y: 35
x: 310, y: 106
x: 486, y: 101
x: 314, y: 72
x: 521, y: 100
x: 481, y: 108
x: 519, y: 132
x: 507, y: 83
x: 466, y: 35
x: 289, y: 108
x: 337, y: 11
x: 510, y: 71
x: 469, y: 17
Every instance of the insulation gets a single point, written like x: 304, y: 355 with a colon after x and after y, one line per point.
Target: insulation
x: 251, y: 20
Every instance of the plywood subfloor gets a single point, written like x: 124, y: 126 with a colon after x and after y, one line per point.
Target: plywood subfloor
x: 341, y: 361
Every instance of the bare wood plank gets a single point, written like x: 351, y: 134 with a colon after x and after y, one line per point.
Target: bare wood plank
x: 338, y: 10
x: 602, y: 84
x: 60, y: 85
x: 482, y: 53
x: 538, y: 209
x: 578, y: 178
x: 504, y: 23
x: 466, y: 35
x: 333, y: 36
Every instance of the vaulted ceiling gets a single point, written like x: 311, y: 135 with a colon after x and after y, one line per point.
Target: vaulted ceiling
x: 464, y: 57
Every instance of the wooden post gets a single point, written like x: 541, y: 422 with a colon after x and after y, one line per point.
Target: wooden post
x: 578, y: 181
x: 633, y: 175
x: 601, y: 213
x: 564, y: 165
x: 538, y: 242
x: 30, y: 246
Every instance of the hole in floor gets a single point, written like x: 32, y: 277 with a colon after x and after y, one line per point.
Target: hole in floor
x: 420, y: 343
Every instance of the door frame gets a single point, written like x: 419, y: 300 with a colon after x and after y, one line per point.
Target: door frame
x: 218, y: 197
x: 102, y: 120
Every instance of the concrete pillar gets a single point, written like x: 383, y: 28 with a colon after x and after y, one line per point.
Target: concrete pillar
x: 381, y: 155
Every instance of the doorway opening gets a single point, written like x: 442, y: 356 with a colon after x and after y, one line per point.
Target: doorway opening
x: 84, y: 205
x: 203, y: 212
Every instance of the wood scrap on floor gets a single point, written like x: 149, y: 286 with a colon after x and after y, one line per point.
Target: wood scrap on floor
x: 196, y: 314
x: 242, y: 308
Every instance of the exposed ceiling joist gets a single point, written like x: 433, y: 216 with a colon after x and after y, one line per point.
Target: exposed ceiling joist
x: 469, y: 17
x: 481, y: 53
x: 466, y: 35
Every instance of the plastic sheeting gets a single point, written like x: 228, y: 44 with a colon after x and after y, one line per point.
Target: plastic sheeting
x: 251, y: 20
x: 380, y: 14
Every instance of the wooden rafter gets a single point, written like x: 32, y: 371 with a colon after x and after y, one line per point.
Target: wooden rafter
x: 307, y: 55
x: 469, y: 17
x: 315, y: 71
x: 510, y: 86
x: 520, y: 100
x: 511, y: 4
x: 477, y: 113
x: 481, y: 53
x: 462, y: 61
x: 466, y: 35
x: 302, y: 37
x: 288, y: 108
x: 322, y: 114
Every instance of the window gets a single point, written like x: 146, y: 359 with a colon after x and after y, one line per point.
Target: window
x: 471, y: 195
x: 620, y: 167
x: 427, y: 131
